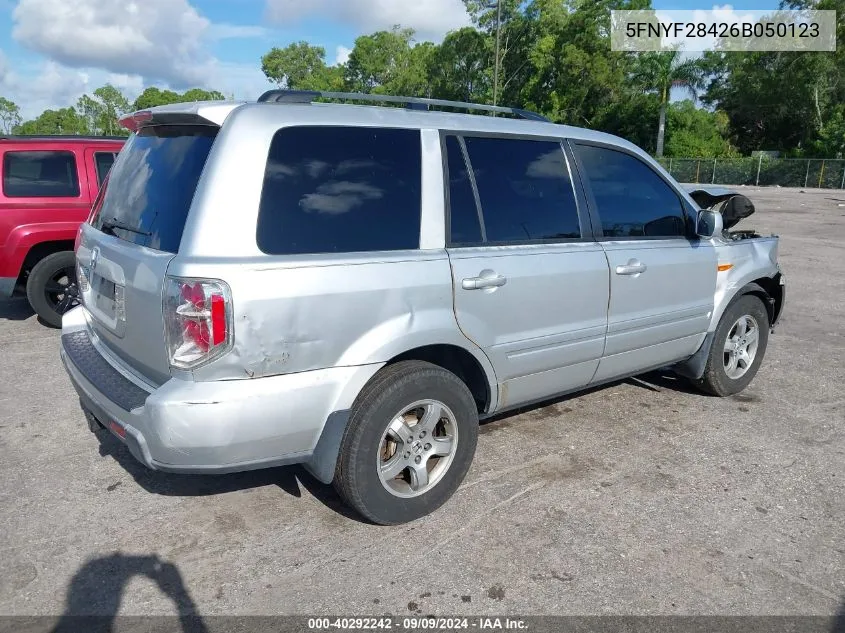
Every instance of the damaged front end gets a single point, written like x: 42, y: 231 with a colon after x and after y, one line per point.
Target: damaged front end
x: 731, y: 205
x: 747, y: 260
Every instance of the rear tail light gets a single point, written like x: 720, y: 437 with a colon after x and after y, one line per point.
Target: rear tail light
x: 82, y: 277
x: 197, y: 321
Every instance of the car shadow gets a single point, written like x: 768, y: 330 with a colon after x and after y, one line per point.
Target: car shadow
x: 16, y: 309
x: 290, y: 479
x: 293, y: 479
x: 95, y: 591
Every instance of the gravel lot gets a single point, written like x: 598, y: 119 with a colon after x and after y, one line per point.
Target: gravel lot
x: 638, y: 498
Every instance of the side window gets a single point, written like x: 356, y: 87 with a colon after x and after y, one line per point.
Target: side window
x: 103, y: 162
x: 464, y: 224
x: 632, y: 200
x: 524, y: 188
x: 40, y: 175
x: 341, y: 190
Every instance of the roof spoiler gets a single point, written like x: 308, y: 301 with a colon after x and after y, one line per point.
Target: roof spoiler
x: 194, y: 113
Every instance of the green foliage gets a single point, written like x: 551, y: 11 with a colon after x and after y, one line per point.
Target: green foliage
x: 460, y: 67
x: 381, y: 62
x: 292, y: 66
x: 102, y: 111
x: 786, y: 101
x: 695, y: 132
x: 152, y: 97
x: 554, y: 57
x: 63, y: 121
x: 659, y: 73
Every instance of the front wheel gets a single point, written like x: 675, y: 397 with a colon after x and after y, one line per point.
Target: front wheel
x: 51, y: 287
x: 409, y: 443
x: 739, y: 345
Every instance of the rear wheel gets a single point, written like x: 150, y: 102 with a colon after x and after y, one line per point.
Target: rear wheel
x: 51, y: 287
x: 739, y: 345
x: 409, y: 443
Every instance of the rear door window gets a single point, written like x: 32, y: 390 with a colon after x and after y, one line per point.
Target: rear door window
x: 103, y: 162
x: 631, y: 199
x: 151, y: 185
x: 341, y: 190
x: 524, y: 188
x: 40, y: 174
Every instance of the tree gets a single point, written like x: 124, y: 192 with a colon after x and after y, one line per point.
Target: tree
x: 503, y: 23
x: 659, y: 73
x: 459, y: 67
x: 63, y: 121
x: 102, y: 111
x: 783, y: 100
x: 695, y: 132
x: 569, y: 72
x: 153, y: 96
x: 377, y: 61
x: 10, y: 115
x: 291, y: 66
x: 198, y: 94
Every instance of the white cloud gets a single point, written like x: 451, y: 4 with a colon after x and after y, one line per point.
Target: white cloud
x: 45, y: 85
x: 431, y: 18
x: 158, y: 40
x: 341, y: 55
x: 224, y: 31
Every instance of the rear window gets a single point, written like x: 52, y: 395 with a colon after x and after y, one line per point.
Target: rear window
x: 341, y: 190
x: 150, y: 187
x: 40, y: 175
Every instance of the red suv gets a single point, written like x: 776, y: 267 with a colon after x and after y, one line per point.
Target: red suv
x: 48, y: 186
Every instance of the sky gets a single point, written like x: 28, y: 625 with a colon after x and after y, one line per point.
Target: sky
x: 53, y: 51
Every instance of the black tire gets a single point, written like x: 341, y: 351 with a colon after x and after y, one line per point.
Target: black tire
x: 716, y: 380
x: 44, y: 290
x: 399, y: 386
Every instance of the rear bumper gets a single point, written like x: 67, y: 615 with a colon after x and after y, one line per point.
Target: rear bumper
x: 206, y: 427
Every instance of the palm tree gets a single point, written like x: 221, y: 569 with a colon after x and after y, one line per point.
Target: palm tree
x: 662, y: 71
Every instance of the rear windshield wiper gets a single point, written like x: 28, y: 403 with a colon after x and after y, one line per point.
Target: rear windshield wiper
x: 108, y: 226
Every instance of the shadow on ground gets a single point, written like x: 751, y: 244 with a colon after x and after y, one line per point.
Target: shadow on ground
x: 17, y: 309
x: 95, y: 591
x: 291, y: 479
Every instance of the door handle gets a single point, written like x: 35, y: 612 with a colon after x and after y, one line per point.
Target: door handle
x: 633, y: 267
x: 491, y: 280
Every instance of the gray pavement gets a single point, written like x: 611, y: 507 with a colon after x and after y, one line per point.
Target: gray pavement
x: 643, y: 497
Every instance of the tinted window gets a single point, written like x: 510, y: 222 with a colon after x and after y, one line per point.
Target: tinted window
x: 632, y: 200
x: 463, y: 212
x: 103, y: 161
x: 152, y: 183
x: 341, y: 190
x: 40, y: 175
x: 525, y: 190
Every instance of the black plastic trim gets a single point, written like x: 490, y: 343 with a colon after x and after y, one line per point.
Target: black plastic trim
x: 97, y: 370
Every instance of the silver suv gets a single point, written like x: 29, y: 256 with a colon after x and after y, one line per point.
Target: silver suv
x: 353, y: 287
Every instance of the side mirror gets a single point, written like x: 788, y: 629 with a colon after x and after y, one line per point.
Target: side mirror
x: 708, y: 224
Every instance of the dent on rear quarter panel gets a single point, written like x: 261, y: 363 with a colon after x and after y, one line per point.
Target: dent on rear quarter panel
x: 301, y: 316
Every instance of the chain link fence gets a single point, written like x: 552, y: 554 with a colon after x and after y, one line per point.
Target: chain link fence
x: 823, y: 173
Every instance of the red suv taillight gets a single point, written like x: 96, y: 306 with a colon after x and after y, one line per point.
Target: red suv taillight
x: 197, y: 320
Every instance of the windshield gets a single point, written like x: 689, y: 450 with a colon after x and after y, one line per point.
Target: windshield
x: 149, y: 190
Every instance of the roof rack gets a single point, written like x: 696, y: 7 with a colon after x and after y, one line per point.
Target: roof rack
x: 413, y: 103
